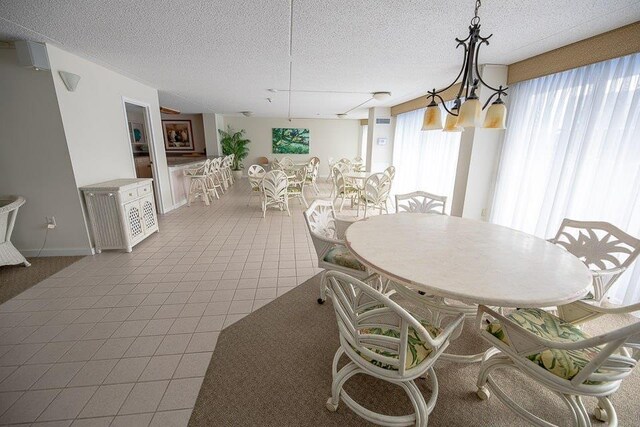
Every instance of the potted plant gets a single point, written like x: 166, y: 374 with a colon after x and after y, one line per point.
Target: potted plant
x: 234, y: 142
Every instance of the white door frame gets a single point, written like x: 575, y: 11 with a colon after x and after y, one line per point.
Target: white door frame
x: 152, y: 146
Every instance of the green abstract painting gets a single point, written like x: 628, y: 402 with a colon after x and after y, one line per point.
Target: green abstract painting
x: 290, y: 141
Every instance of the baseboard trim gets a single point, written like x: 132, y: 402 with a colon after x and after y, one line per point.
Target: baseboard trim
x: 29, y: 253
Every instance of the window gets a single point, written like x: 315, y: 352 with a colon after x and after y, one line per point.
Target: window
x: 424, y: 161
x: 572, y: 149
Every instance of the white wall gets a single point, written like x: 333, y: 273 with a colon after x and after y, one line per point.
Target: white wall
x: 327, y: 138
x: 197, y: 130
x: 94, y: 121
x: 35, y: 162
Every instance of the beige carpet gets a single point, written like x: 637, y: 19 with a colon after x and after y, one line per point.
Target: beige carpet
x: 15, y: 279
x: 273, y: 368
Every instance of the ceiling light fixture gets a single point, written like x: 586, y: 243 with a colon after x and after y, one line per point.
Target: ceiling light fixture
x: 381, y: 96
x: 342, y: 115
x: 467, y: 114
x: 273, y: 90
x: 247, y: 113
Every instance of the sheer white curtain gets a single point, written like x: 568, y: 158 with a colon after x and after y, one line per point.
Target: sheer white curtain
x: 572, y: 149
x: 424, y: 161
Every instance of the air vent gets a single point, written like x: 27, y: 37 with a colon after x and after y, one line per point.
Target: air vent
x: 381, y: 121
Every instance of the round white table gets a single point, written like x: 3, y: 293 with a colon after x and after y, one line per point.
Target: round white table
x: 469, y: 261
x: 357, y: 175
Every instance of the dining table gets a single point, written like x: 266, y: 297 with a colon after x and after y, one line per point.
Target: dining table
x: 357, y: 176
x: 357, y: 179
x: 469, y: 261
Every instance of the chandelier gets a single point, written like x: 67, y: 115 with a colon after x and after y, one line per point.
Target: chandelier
x: 468, y: 113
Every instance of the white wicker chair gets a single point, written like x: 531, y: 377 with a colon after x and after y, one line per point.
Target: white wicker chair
x: 9, y: 255
x: 603, y: 247
x: 329, y: 244
x: 341, y: 188
x: 346, y: 162
x: 375, y: 193
x: 212, y: 180
x: 275, y: 165
x: 421, y: 202
x: 312, y: 173
x: 391, y: 172
x: 218, y: 174
x: 358, y: 164
x: 296, y: 186
x: 226, y: 170
x: 274, y: 191
x: 559, y: 356
x: 331, y: 163
x: 230, y: 165
x: 287, y: 163
x: 385, y: 341
x: 198, y: 183
x: 255, y: 174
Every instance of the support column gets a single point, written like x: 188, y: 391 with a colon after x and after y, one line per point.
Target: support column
x: 379, y: 140
x: 212, y: 122
x: 478, y: 158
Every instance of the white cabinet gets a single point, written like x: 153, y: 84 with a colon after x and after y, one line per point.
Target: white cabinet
x: 122, y: 212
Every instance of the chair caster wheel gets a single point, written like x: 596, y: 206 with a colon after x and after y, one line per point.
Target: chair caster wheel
x: 330, y: 406
x: 483, y: 393
x: 320, y: 301
x: 600, y: 414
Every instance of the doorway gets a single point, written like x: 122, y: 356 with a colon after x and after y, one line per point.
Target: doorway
x: 141, y: 141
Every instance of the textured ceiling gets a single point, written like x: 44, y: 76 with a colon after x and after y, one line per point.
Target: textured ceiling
x: 222, y: 56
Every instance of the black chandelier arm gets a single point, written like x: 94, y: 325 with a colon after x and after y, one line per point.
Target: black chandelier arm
x: 497, y: 93
x: 462, y: 69
x: 444, y: 105
x: 465, y: 40
x: 501, y: 90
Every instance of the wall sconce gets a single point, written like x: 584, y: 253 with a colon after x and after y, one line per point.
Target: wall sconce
x: 70, y: 80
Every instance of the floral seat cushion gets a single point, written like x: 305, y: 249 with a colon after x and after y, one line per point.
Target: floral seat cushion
x: 417, y: 349
x: 349, y: 190
x: 563, y: 363
x: 341, y: 256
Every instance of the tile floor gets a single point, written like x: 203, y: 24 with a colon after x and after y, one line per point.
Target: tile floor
x: 125, y: 339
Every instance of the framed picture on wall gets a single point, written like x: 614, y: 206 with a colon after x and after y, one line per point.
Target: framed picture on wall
x: 137, y: 133
x: 178, y: 135
x: 290, y: 141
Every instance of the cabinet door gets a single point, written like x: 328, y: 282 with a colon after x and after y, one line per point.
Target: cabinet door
x: 149, y: 214
x: 133, y: 215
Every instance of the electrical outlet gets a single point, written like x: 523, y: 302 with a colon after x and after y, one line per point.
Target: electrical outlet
x: 51, y: 222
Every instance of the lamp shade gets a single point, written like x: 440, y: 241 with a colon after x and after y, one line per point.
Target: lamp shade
x: 496, y: 117
x: 451, y: 124
x: 432, y: 118
x: 469, y: 115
